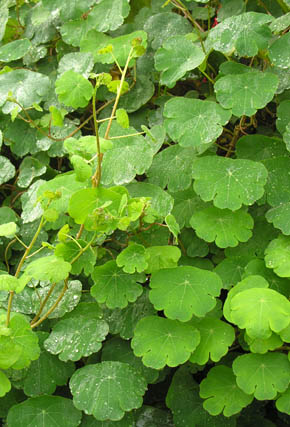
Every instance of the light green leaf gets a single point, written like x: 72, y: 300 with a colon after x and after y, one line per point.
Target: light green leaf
x: 162, y: 341
x: 79, y: 334
x: 193, y: 122
x: 7, y: 169
x: 246, y: 93
x: 283, y: 402
x: 30, y: 168
x: 114, y: 287
x: 122, y: 118
x: 71, y: 249
x: 159, y: 257
x: 172, y: 167
x: 50, y: 268
x: 82, y: 169
x: 184, y: 291
x: 8, y: 230
x: 246, y: 33
x: 221, y: 392
x: 262, y: 374
x: 277, y: 256
x: 173, y: 226
x: 258, y: 345
x: 5, y: 385
x: 177, y: 56
x: 278, y: 51
x: 260, y: 311
x: 132, y: 259
x: 107, y: 390
x: 216, y: 337
x: 14, y: 50
x: 228, y: 182
x: 224, y: 227
x: 50, y: 411
x: 73, y: 89
x: 10, y: 283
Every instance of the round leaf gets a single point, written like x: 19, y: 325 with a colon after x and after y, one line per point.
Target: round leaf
x: 14, y: 50
x: 277, y: 256
x: 50, y: 268
x: 278, y: 51
x: 5, y: 384
x: 283, y: 403
x: 7, y: 169
x: 73, y: 89
x: 132, y: 259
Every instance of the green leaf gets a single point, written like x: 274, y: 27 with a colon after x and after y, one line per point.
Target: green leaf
x: 68, y: 9
x: 82, y: 169
x: 14, y: 50
x: 132, y: 259
x: 260, y: 311
x: 7, y: 169
x: 50, y: 268
x: 173, y: 226
x: 122, y: 118
x: 159, y: 257
x: 30, y: 168
x: 282, y: 403
x: 107, y: 390
x: 184, y: 291
x: 260, y: 147
x: 138, y: 95
x: 221, y: 392
x: 114, y: 287
x: 8, y: 230
x: 224, y: 227
x: 172, y: 167
x: 50, y: 411
x: 177, y: 56
x: 283, y: 111
x: 231, y: 270
x: 162, y: 341
x: 246, y: 34
x: 5, y: 385
x: 228, y: 182
x: 10, y: 283
x: 277, y: 256
x: 262, y: 374
x: 258, y: 345
x: 216, y: 337
x: 73, y: 89
x: 71, y: 249
x: 278, y: 51
x: 79, y: 334
x: 185, y: 203
x: 79, y: 62
x: 110, y: 14
x: 193, y: 122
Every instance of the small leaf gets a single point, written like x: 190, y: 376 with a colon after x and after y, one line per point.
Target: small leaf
x: 161, y: 341
x: 282, y: 403
x: 82, y: 169
x: 122, y: 118
x: 10, y: 283
x: 50, y: 268
x: 277, y: 256
x: 73, y: 89
x: 5, y: 385
x: 8, y: 230
x: 132, y: 259
x: 159, y: 257
x: 173, y: 226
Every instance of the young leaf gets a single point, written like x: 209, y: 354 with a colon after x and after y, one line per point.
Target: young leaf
x: 10, y: 283
x: 184, y: 291
x: 277, y: 256
x: 50, y: 268
x: 107, y: 390
x: 122, y: 118
x: 262, y: 374
x: 73, y: 89
x: 228, y: 182
x: 114, y: 287
x: 132, y: 259
x: 221, y: 392
x: 82, y: 169
x: 162, y: 341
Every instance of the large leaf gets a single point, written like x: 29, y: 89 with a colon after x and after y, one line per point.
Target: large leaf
x: 224, y: 227
x: 228, y: 182
x: 184, y: 291
x: 262, y: 374
x: 107, y: 390
x: 48, y: 411
x: 114, y: 287
x: 162, y: 341
x: 177, y: 56
x: 221, y: 392
x: 73, y: 89
x: 193, y: 122
x: 277, y: 256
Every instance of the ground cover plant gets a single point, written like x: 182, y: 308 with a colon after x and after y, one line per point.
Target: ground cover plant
x: 145, y: 213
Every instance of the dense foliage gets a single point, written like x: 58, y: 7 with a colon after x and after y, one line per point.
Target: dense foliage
x: 145, y: 213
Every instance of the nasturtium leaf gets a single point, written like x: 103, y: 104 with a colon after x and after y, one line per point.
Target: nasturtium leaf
x: 10, y: 351
x: 50, y: 268
x: 278, y: 51
x: 14, y: 50
x: 8, y: 230
x: 132, y: 155
x: 138, y: 95
x: 258, y: 345
x: 246, y: 93
x: 71, y: 249
x: 107, y: 390
x: 185, y: 203
x: 262, y: 374
x: 122, y: 118
x: 184, y: 291
x: 114, y: 287
x: 79, y: 334
x: 229, y: 182
x: 277, y: 256
x: 7, y: 169
x: 162, y: 341
x: 79, y: 62
x: 49, y: 411
x: 193, y: 122
x: 260, y: 311
x: 5, y: 385
x: 10, y: 283
x: 152, y: 416
x: 277, y: 187
x: 69, y: 9
x: 73, y: 89
x: 283, y: 402
x: 283, y: 112
x: 221, y: 392
x: 45, y: 373
x: 216, y: 337
x: 172, y: 167
x: 132, y: 259
x: 177, y: 56
x: 82, y: 169
x: 128, y: 420
x: 172, y: 225
x: 29, y: 169
x: 231, y: 270
x: 246, y: 34
x: 260, y: 147
x: 4, y: 15
x: 119, y: 350
x: 194, y: 246
x: 159, y: 257
x: 224, y: 227
x: 27, y: 88
x: 110, y: 14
